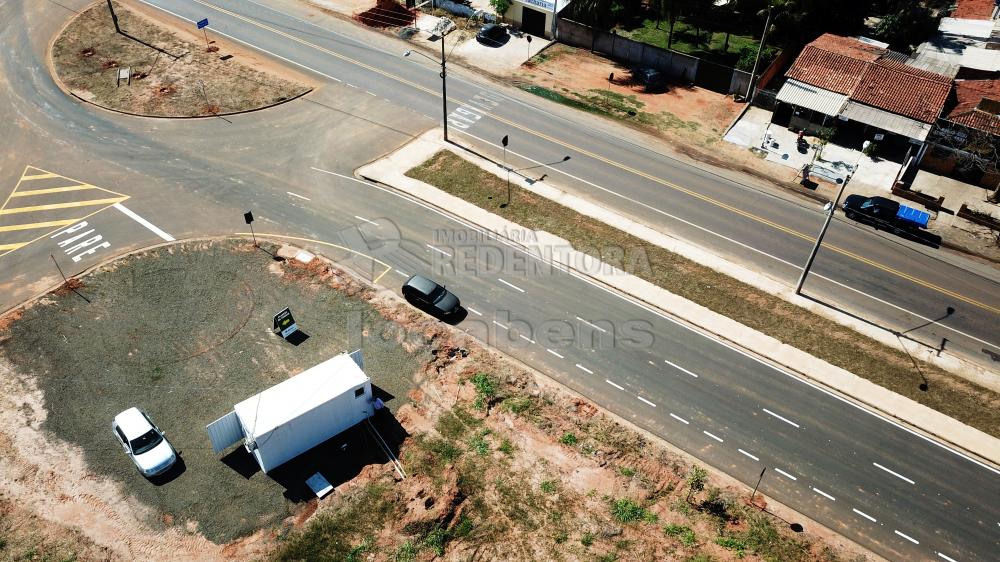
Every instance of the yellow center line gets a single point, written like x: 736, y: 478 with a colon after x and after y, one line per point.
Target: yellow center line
x: 12, y: 246
x: 345, y: 248
x: 29, y: 226
x: 68, y: 205
x: 51, y: 190
x: 620, y: 166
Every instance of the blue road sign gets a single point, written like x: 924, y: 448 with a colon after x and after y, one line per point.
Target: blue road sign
x: 203, y: 23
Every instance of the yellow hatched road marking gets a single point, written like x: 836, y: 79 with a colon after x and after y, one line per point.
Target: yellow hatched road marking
x: 33, y: 225
x: 52, y: 190
x: 12, y: 247
x: 15, y: 210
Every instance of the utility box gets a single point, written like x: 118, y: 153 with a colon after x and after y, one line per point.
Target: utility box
x: 295, y: 415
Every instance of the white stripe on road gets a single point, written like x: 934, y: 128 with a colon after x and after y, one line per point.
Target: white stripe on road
x: 594, y: 326
x: 584, y: 369
x: 680, y: 419
x: 681, y: 369
x: 618, y: 386
x: 865, y: 515
x: 371, y: 94
x: 948, y: 558
x: 152, y: 227
x: 646, y: 401
x: 748, y: 454
x: 908, y: 537
x: 299, y: 196
x: 501, y: 325
x: 366, y: 220
x: 555, y: 353
x: 474, y: 311
x: 405, y: 274
x: 439, y: 250
x: 525, y: 338
x: 719, y: 439
x: 511, y: 285
x: 824, y: 494
x: 785, y: 474
x: 896, y: 474
x: 784, y: 419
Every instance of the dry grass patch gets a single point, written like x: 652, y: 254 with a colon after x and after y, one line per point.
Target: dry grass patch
x: 809, y: 332
x: 172, y: 76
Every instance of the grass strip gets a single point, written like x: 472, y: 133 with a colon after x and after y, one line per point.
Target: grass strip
x: 825, y: 339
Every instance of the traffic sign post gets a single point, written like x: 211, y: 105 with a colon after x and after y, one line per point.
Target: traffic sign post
x: 202, y: 25
x: 248, y: 217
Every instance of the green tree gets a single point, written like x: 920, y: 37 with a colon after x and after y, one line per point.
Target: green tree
x: 696, y: 479
x: 799, y: 21
x: 500, y: 6
x: 907, y: 28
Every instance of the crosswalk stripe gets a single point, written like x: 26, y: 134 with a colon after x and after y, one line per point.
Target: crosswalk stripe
x: 32, y: 225
x: 52, y: 190
x: 50, y: 206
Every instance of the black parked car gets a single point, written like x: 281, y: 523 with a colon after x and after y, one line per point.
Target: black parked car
x: 650, y: 79
x: 430, y: 296
x: 492, y: 35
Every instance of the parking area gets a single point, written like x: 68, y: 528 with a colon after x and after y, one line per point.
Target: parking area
x: 184, y: 333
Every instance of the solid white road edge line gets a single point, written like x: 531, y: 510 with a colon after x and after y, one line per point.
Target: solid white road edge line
x: 152, y: 227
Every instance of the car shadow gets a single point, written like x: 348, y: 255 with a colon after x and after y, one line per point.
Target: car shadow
x: 171, y: 474
x: 493, y: 43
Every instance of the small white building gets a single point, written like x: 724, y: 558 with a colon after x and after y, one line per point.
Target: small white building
x: 535, y: 17
x: 297, y: 414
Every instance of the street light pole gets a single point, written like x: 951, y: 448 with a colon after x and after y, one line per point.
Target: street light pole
x: 444, y: 83
x: 830, y: 208
x: 760, y: 49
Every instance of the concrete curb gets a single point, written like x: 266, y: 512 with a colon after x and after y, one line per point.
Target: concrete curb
x: 390, y: 171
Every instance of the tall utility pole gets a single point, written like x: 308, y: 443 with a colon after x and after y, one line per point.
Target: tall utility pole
x: 830, y: 208
x: 760, y: 49
x: 444, y: 83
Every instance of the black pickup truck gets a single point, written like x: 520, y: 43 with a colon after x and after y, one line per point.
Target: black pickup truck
x: 884, y: 213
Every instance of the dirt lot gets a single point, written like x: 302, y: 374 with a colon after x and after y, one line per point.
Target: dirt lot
x: 500, y: 462
x: 174, y: 72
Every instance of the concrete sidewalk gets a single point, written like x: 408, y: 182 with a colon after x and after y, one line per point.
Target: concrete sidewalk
x: 391, y: 171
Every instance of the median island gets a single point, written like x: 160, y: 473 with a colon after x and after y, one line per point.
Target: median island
x: 145, y: 65
x: 824, y: 339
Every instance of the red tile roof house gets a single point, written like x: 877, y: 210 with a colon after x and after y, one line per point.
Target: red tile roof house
x: 967, y: 136
x: 865, y: 92
x: 975, y: 9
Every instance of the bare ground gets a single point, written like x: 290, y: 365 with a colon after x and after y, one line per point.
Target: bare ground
x: 174, y: 72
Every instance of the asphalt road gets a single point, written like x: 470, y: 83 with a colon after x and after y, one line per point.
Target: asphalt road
x: 893, y: 283
x: 901, y: 495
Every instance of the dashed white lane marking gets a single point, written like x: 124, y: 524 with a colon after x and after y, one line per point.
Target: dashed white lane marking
x: 365, y: 220
x: 584, y: 369
x: 782, y: 418
x: 559, y: 355
x: 501, y: 325
x: 748, y: 454
x: 511, y: 285
x: 594, y: 326
x: 680, y: 419
x: 646, y: 401
x: 371, y: 94
x: 525, y: 338
x: 474, y: 311
x: 439, y: 250
x: 403, y: 273
x: 896, y: 474
x: 824, y: 494
x: 299, y: 196
x: 681, y: 369
x: 618, y: 386
x: 948, y: 558
x: 651, y: 363
x: 152, y: 227
x: 907, y: 537
x: 785, y: 474
x: 351, y: 85
x: 717, y: 438
x: 865, y: 515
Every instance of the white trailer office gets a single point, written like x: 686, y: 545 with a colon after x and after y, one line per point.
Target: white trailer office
x: 295, y: 415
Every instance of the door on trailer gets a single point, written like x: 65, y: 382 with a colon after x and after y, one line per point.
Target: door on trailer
x: 224, y: 431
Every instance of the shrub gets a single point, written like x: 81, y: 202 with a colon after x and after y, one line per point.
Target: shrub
x: 696, y: 480
x: 625, y: 510
x: 682, y: 532
x: 548, y: 486
x: 568, y: 438
x: 506, y: 447
x: 587, y: 539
